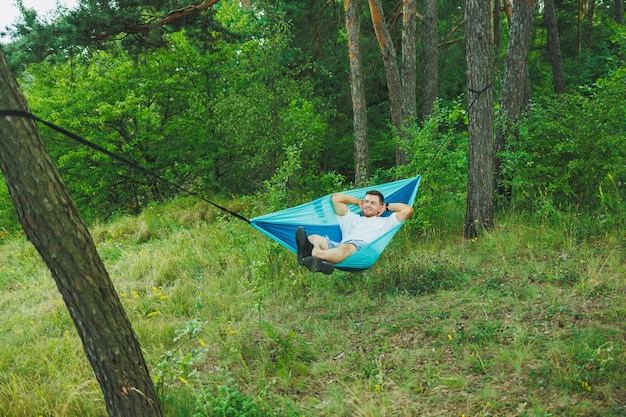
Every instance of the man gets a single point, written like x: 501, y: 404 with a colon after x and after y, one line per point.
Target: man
x: 320, y: 254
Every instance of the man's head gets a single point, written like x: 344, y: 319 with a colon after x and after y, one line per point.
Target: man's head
x: 373, y: 204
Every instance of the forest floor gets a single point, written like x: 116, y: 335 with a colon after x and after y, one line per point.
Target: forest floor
x: 527, y: 320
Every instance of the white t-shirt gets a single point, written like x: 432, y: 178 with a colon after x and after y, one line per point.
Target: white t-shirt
x: 367, y: 229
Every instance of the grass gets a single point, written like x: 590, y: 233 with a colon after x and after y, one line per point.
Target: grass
x: 529, y: 320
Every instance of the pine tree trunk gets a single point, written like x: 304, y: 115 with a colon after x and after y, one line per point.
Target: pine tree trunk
x: 554, y: 47
x: 394, y: 85
x: 409, y: 67
x: 515, y: 87
x: 479, y: 213
x: 497, y: 28
x: 52, y: 223
x: 357, y: 87
x: 619, y: 12
x: 431, y: 61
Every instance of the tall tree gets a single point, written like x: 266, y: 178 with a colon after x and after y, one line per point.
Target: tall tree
x: 619, y: 12
x: 497, y: 27
x: 479, y: 213
x: 409, y: 67
x: 54, y: 226
x: 554, y: 47
x: 516, y: 85
x: 394, y: 85
x: 357, y: 87
x: 431, y: 61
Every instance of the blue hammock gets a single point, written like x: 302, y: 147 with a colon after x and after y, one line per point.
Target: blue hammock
x: 318, y: 217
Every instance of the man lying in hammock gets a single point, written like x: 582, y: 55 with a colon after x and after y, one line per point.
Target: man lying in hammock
x: 320, y: 254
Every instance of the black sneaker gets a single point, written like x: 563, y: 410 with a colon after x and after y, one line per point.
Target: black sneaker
x: 314, y: 264
x: 305, y: 248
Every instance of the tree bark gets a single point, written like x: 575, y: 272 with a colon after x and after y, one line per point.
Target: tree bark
x: 431, y: 58
x: 591, y: 8
x: 516, y: 85
x: 479, y: 213
x: 394, y: 85
x: 52, y: 223
x: 409, y: 66
x: 497, y: 32
x: 619, y: 12
x: 357, y: 88
x: 554, y: 47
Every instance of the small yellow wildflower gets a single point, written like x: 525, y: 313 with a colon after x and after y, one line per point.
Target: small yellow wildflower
x: 201, y: 342
x: 449, y: 337
x: 154, y: 313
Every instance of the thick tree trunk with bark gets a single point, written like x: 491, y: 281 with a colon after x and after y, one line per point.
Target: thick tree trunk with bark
x: 409, y: 67
x: 431, y: 61
x: 554, y: 47
x: 357, y: 88
x: 497, y: 28
x: 390, y: 62
x: 619, y: 12
x: 516, y: 86
x: 479, y: 214
x: 52, y: 223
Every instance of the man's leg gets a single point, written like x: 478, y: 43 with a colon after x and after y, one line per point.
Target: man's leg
x: 333, y: 255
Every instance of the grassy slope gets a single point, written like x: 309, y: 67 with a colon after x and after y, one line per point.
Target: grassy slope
x: 527, y: 321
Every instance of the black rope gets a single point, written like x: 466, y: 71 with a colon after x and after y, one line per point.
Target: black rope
x: 20, y: 113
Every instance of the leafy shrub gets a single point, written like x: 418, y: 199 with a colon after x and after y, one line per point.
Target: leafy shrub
x: 571, y: 149
x: 438, y: 152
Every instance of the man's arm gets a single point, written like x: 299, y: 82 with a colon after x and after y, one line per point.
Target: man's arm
x: 341, y: 201
x: 403, y: 211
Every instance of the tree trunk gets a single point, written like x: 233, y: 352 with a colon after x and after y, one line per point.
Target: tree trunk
x: 554, y: 47
x: 497, y: 30
x: 515, y: 87
x: 52, y: 223
x: 409, y: 87
x: 431, y: 58
x: 508, y: 10
x: 590, y: 11
x: 579, y: 28
x: 357, y: 87
x: 394, y: 85
x: 479, y: 212
x: 619, y: 12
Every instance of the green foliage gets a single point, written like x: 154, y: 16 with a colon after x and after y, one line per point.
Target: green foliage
x: 219, y: 121
x: 571, y: 150
x: 231, y: 325
x: 439, y: 153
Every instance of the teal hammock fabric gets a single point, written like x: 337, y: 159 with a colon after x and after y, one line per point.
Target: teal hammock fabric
x: 318, y: 217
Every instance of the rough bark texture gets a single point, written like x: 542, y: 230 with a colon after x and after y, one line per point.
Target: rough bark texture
x: 515, y: 87
x: 409, y: 67
x: 357, y: 88
x: 619, y: 12
x: 497, y: 27
x: 52, y: 223
x: 431, y: 61
x: 479, y: 214
x: 554, y: 47
x: 394, y: 85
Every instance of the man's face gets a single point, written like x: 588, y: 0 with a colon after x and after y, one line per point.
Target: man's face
x: 371, y: 206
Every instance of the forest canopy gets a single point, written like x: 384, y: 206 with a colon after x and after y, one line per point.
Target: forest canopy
x: 245, y: 98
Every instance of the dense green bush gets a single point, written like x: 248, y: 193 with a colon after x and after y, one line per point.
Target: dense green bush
x: 571, y: 149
